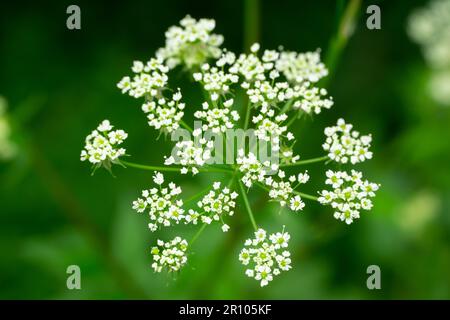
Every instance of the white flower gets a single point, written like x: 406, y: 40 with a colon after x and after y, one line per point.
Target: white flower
x: 255, y: 47
x: 344, y: 144
x: 225, y: 228
x: 102, y: 146
x: 350, y: 194
x: 265, y: 257
x: 296, y: 203
x: 191, y: 43
x: 158, y: 178
x: 169, y: 255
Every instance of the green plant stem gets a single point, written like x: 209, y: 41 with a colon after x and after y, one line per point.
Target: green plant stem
x: 251, y: 23
x: 172, y: 169
x: 186, y: 126
x: 338, y: 42
x: 303, y: 162
x: 195, y: 196
x: 304, y: 195
x: 247, y: 115
x: 247, y: 205
x: 197, y: 234
x: 151, y: 168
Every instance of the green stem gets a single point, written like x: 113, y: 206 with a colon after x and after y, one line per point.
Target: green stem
x: 247, y: 115
x: 197, y: 234
x: 251, y: 23
x: 345, y: 30
x: 247, y: 205
x: 151, y: 168
x: 303, y: 162
x: 186, y: 126
x: 195, y: 196
x: 287, y: 106
x: 172, y: 169
x: 304, y: 195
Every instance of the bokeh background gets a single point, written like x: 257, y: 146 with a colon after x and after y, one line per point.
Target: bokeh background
x: 60, y: 84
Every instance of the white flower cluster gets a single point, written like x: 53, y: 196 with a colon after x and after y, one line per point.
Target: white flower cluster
x: 350, y: 194
x: 264, y: 87
x: 301, y: 67
x: 169, y: 255
x: 217, y: 119
x: 270, y: 129
x: 344, y: 144
x: 7, y: 147
x: 191, y: 43
x: 279, y: 190
x: 265, y: 257
x: 284, y: 191
x: 150, y: 81
x: 252, y: 168
x: 102, y: 146
x: 217, y: 203
x: 214, y: 79
x: 163, y: 205
x: 430, y: 28
x: 190, y: 154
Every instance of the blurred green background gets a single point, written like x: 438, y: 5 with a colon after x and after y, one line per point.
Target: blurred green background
x: 60, y: 84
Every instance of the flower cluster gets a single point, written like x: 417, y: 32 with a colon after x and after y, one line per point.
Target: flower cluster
x: 279, y: 87
x: 216, y: 119
x: 190, y: 154
x: 350, y: 194
x: 265, y: 87
x: 191, y: 43
x: 150, y: 81
x: 216, y: 204
x: 7, y: 147
x: 102, y: 146
x: 265, y: 257
x: 252, y: 168
x: 301, y: 67
x: 169, y: 255
x: 214, y: 79
x: 282, y: 191
x: 344, y: 144
x: 163, y: 206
